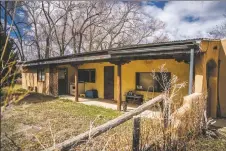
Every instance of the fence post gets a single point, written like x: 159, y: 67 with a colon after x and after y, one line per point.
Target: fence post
x: 136, y: 133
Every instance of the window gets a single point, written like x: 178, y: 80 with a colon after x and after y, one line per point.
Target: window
x: 146, y: 82
x: 87, y: 75
x: 41, y: 75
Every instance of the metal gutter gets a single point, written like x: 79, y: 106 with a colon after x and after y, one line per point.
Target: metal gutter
x: 191, y: 71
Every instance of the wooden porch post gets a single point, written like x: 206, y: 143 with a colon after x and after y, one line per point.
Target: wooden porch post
x: 119, y: 95
x: 76, y: 82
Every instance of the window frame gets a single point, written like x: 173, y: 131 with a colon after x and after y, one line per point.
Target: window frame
x: 42, y: 72
x: 158, y: 89
x: 91, y: 77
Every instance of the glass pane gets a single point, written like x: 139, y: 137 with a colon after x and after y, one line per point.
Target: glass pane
x: 39, y: 75
x: 92, y: 75
x: 61, y: 74
x: 146, y: 81
x: 86, y: 76
x: 80, y: 75
x: 43, y: 76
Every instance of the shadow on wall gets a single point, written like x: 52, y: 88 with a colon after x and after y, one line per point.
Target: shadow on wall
x: 211, y: 80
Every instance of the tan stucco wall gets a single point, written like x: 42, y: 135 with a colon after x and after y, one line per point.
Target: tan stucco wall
x: 222, y: 79
x: 29, y: 79
x: 200, y: 71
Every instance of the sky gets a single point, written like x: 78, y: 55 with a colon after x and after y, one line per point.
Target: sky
x: 20, y: 16
x: 183, y: 19
x: 187, y: 19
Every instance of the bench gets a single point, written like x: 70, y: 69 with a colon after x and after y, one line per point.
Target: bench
x: 134, y: 97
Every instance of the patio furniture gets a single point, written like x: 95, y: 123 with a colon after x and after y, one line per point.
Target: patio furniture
x: 134, y: 97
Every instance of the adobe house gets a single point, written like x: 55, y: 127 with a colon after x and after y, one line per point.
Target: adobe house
x: 114, y: 72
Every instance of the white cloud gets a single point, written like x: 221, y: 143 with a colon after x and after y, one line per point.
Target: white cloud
x: 176, y: 15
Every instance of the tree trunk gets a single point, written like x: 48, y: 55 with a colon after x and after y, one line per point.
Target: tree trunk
x: 80, y: 42
x: 5, y: 18
x: 47, y: 48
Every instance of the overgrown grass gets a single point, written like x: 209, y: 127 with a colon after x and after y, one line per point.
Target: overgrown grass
x: 16, y: 88
x: 12, y: 93
x: 40, y: 121
x: 47, y: 120
x: 207, y: 144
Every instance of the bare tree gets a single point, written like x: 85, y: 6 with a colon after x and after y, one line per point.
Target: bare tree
x: 8, y: 8
x: 58, y: 23
x: 67, y: 27
x: 220, y: 30
x: 34, y: 12
x: 126, y: 25
x: 89, y: 15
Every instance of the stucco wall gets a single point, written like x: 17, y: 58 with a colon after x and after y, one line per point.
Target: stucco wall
x: 29, y: 79
x: 211, y: 52
x: 222, y: 79
x: 99, y: 82
x: 128, y: 75
x: 71, y: 74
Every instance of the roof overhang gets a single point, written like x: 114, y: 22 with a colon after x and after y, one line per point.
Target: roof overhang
x: 178, y: 50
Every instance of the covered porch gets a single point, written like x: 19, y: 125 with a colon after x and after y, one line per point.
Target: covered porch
x: 115, y: 72
x: 113, y: 79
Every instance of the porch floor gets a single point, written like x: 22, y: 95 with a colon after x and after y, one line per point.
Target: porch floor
x: 110, y: 104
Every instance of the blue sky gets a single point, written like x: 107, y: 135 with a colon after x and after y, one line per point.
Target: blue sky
x: 159, y: 4
x: 20, y: 18
x: 187, y: 19
x: 183, y: 19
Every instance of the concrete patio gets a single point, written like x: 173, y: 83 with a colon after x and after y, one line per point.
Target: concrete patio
x: 110, y: 104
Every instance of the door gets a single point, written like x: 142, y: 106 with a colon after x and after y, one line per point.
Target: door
x: 109, y: 82
x: 62, y: 81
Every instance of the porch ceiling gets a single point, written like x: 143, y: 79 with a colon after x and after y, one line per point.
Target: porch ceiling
x: 178, y: 50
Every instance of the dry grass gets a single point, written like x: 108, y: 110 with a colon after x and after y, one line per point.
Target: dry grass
x: 207, y: 144
x: 41, y: 121
x: 12, y: 94
x: 46, y: 120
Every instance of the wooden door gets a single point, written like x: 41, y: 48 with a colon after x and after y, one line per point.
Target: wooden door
x: 109, y: 82
x: 62, y: 81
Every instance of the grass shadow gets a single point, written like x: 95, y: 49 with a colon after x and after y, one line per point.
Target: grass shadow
x: 36, y: 98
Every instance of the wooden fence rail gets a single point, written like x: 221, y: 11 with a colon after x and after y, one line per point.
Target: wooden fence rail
x: 77, y: 140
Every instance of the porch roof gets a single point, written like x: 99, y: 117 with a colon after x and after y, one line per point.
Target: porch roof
x: 178, y: 50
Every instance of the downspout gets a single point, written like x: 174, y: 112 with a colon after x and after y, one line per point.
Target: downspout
x: 191, y: 71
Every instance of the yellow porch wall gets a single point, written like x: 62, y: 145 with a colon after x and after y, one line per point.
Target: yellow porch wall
x: 71, y: 74
x: 99, y: 82
x: 128, y: 75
